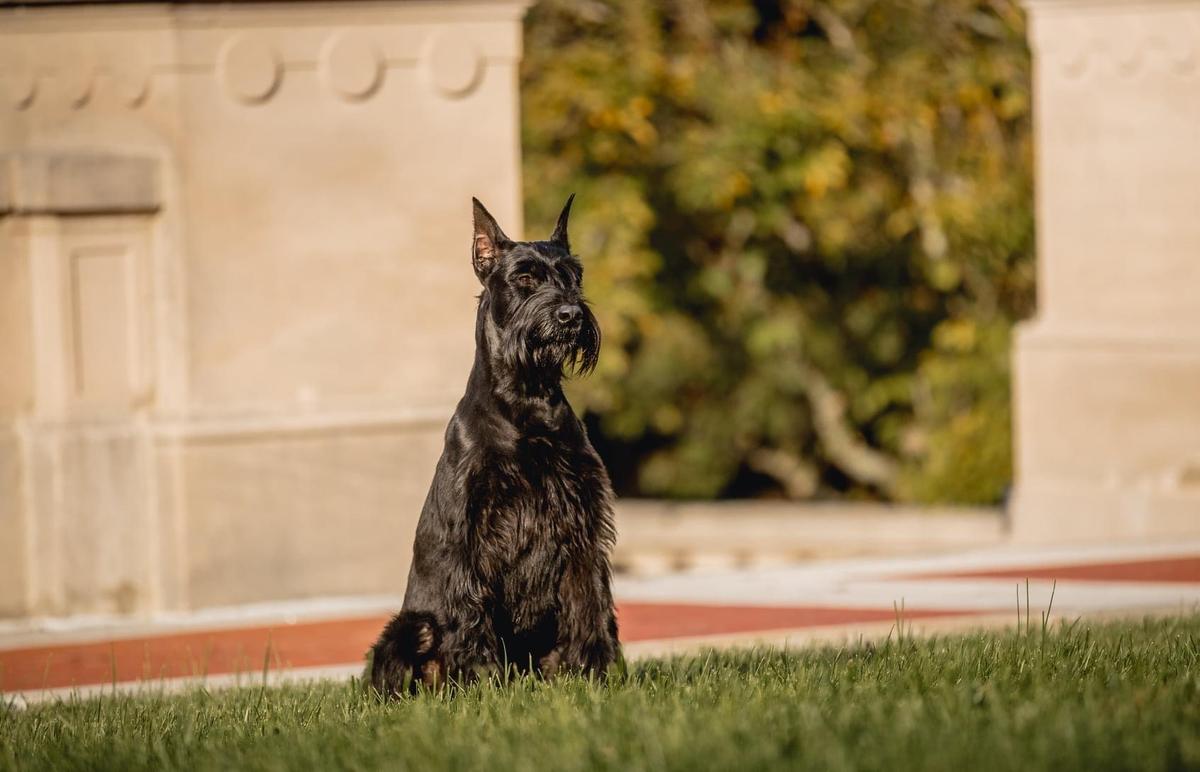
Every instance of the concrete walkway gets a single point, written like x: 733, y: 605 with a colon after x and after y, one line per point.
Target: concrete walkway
x: 789, y: 605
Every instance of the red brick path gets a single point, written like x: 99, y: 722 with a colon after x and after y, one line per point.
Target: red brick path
x: 343, y: 641
x: 337, y: 642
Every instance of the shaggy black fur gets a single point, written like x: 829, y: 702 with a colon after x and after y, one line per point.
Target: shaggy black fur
x: 510, y: 566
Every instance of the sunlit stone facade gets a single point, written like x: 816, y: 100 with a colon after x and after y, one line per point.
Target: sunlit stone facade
x: 1108, y: 374
x: 236, y: 304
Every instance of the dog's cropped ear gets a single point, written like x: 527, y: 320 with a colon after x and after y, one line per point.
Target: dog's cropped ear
x: 489, y: 242
x: 560, y: 230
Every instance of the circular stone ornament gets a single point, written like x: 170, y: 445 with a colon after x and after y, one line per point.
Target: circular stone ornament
x: 249, y: 69
x: 1180, y: 50
x: 1073, y: 59
x: 1183, y: 61
x: 130, y: 84
x: 77, y: 86
x: 453, y: 64
x: 20, y: 89
x: 1129, y: 55
x: 351, y: 65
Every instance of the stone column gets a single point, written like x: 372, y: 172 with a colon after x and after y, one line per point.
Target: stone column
x: 1107, y: 376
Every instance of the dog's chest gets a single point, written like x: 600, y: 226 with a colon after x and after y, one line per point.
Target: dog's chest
x: 535, y: 518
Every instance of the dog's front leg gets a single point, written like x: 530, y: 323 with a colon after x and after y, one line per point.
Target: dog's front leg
x: 587, y: 623
x: 469, y: 651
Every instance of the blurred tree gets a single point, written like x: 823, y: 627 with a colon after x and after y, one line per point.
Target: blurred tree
x: 807, y: 228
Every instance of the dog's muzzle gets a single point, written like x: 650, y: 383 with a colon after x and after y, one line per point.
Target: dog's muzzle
x: 568, y: 314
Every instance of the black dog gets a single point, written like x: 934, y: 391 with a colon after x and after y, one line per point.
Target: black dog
x: 510, y: 566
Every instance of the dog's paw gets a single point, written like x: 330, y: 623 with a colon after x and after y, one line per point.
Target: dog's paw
x: 424, y: 638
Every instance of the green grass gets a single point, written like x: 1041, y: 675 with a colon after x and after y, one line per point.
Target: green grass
x: 1117, y: 696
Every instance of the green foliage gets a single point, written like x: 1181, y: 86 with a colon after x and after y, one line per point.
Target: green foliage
x: 807, y: 229
x: 1118, y: 696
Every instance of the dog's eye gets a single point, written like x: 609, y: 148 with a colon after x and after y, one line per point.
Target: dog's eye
x: 525, y: 280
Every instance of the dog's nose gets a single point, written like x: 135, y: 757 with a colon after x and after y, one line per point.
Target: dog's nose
x: 567, y: 313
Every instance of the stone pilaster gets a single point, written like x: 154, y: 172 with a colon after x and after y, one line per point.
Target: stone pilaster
x: 1107, y: 382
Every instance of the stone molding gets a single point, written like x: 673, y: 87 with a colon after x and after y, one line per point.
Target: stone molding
x: 249, y: 49
x: 1040, y: 334
x: 265, y: 425
x: 1080, y: 37
x: 247, y: 426
x: 78, y: 182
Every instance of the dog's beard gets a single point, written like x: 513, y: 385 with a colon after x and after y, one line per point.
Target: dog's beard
x: 533, y: 341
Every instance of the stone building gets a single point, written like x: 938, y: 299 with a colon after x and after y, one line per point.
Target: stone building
x: 236, y: 305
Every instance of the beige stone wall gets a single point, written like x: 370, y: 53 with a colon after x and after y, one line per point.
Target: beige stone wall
x: 16, y: 371
x: 1108, y: 375
x: 14, y: 586
x: 237, y: 306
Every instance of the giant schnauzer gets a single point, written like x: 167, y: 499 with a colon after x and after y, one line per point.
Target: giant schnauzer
x: 510, y: 567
